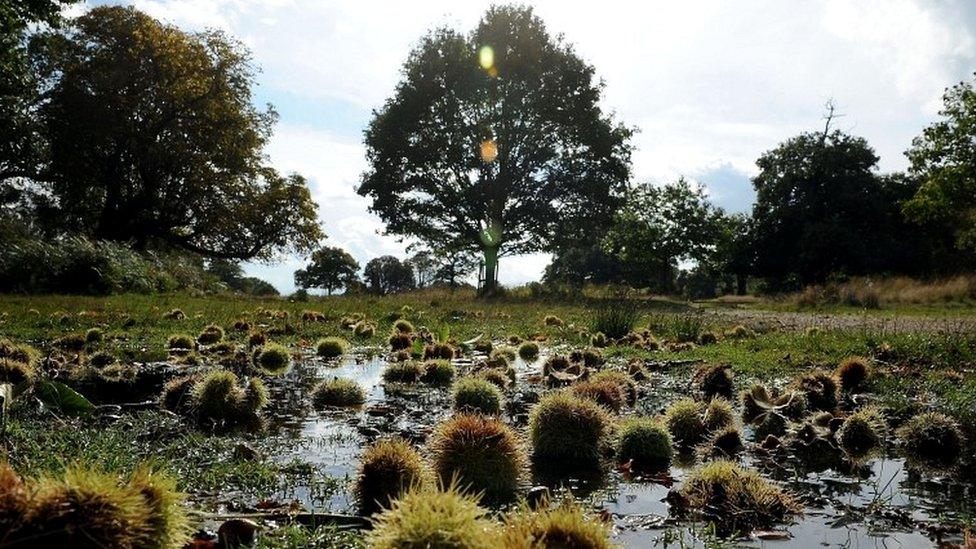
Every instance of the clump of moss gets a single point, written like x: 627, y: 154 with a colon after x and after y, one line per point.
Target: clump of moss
x: 598, y: 339
x: 708, y: 338
x: 338, y: 392
x: 181, y: 344
x: 723, y: 443
x: 438, y: 372
x: 309, y: 315
x: 168, y: 524
x: 498, y: 377
x: 257, y: 339
x: 403, y: 326
x: 175, y: 314
x: 242, y: 325
x: 863, y: 433
x: 443, y: 351
x: 177, y: 395
x: 684, y: 421
x: 87, y: 508
x: 504, y: 352
x: 429, y: 517
x: 210, y: 335
x: 272, y: 359
x: 736, y: 499
x: 14, y: 371
x: 481, y: 452
x: 364, y: 329
x: 718, y: 414
x: 931, y: 440
x: 606, y: 393
x: 387, y: 470
x: 403, y: 372
x: 71, y: 342
x: 853, y: 373
x: 94, y: 336
x: 218, y: 397
x: 714, y: 380
x: 820, y: 388
x: 739, y: 332
x: 645, y: 443
x: 620, y: 379
x: 529, y: 351
x: 331, y: 347
x: 589, y: 357
x: 563, y: 526
x: 15, y: 497
x: 477, y: 395
x: 567, y: 430
x: 553, y: 320
x: 400, y: 341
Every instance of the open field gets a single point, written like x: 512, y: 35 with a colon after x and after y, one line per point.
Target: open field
x: 298, y: 458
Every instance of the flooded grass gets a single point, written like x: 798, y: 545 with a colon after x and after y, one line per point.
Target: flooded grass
x: 301, y: 457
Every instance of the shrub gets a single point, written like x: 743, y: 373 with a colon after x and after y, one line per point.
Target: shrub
x: 620, y: 379
x: 481, y: 452
x: 94, y: 336
x: 273, y: 359
x: 331, y: 347
x: 477, y: 395
x: 180, y: 344
x: 932, y: 440
x: 403, y: 326
x: 736, y: 499
x: 715, y: 380
x: 645, y: 443
x: 863, y: 433
x: 210, y: 335
x: 567, y: 430
x: 434, y: 518
x: 853, y: 373
x: 615, y: 318
x: 529, y: 351
x: 387, y: 470
x: 606, y: 393
x: 403, y: 372
x: 438, y: 372
x: 820, y: 389
x: 563, y: 526
x: 338, y: 392
x: 684, y: 422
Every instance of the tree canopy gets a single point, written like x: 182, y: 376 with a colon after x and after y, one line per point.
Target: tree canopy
x: 388, y: 275
x: 944, y: 158
x: 331, y: 268
x: 494, y: 142
x: 153, y: 140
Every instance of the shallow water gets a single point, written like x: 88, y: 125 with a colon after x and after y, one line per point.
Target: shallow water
x: 881, y: 504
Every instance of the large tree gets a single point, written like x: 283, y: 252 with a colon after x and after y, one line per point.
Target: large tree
x: 944, y: 159
x: 388, y: 275
x: 822, y: 209
x: 154, y: 140
x: 494, y: 142
x: 330, y: 268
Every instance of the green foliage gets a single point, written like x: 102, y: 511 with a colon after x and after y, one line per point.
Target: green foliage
x: 477, y: 395
x: 482, y: 453
x: 415, y: 173
x: 387, y: 470
x: 685, y: 423
x: 62, y: 399
x: 149, y: 155
x: 388, y: 275
x: 567, y: 431
x: 331, y: 268
x: 218, y: 397
x: 614, y: 319
x: 273, y: 359
x: 644, y: 442
x: 338, y: 392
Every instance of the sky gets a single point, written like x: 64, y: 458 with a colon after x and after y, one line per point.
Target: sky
x: 710, y: 85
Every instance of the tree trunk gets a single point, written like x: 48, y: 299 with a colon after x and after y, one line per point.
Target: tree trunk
x: 740, y: 283
x: 490, y: 287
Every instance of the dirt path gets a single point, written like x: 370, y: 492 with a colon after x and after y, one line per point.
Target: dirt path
x: 782, y: 320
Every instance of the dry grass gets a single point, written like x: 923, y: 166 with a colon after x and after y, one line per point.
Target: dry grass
x: 900, y: 290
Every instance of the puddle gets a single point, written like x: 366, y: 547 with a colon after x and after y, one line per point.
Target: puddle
x: 881, y: 504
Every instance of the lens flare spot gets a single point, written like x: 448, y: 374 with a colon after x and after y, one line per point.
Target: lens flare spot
x: 486, y: 57
x: 489, y: 151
